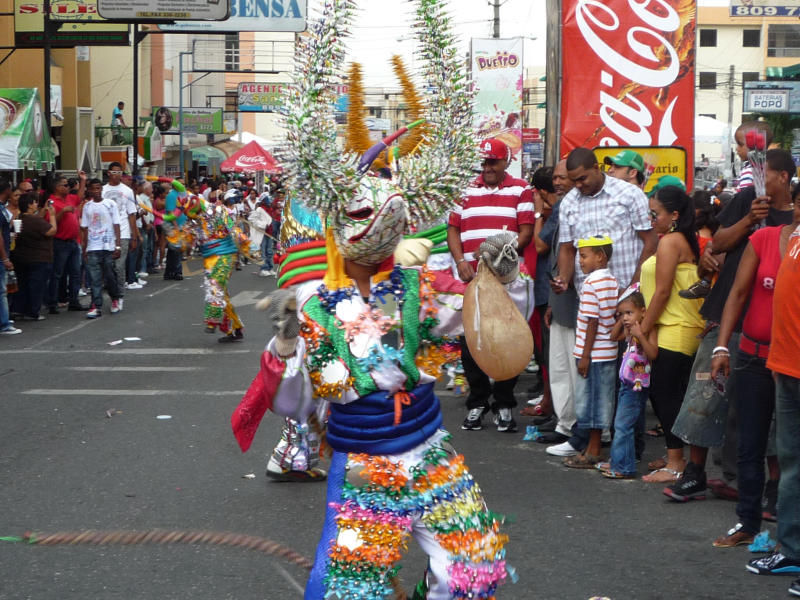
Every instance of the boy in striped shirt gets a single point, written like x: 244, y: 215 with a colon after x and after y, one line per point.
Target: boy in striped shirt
x: 595, y: 351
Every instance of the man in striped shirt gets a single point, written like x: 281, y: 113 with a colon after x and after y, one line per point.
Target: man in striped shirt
x: 494, y: 202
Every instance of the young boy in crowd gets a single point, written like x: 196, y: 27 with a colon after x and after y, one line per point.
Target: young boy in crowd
x: 595, y: 351
x: 634, y: 375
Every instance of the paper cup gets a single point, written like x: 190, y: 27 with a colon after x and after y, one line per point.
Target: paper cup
x: 17, y: 225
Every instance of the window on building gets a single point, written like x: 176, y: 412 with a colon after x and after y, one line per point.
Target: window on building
x: 751, y: 38
x: 708, y: 80
x: 231, y: 51
x: 708, y: 37
x: 749, y: 76
x: 783, y: 40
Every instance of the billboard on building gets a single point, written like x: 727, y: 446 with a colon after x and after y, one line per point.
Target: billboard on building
x: 260, y: 97
x: 90, y: 31
x: 497, y: 75
x: 627, y: 74
x: 252, y: 15
x: 195, y: 120
x: 154, y: 10
x: 765, y: 8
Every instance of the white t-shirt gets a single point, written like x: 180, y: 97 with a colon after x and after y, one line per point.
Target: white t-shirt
x: 126, y: 204
x: 99, y: 219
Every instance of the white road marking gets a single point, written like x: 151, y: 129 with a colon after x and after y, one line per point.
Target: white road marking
x: 246, y: 298
x: 115, y: 392
x: 52, y: 337
x: 292, y: 581
x: 164, y: 289
x: 135, y: 369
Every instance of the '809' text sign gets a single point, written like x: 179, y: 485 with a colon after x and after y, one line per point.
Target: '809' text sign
x: 627, y: 73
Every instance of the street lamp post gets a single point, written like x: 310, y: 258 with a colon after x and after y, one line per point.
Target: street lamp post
x: 180, y: 111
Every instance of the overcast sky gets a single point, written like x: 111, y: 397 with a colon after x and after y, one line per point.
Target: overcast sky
x: 382, y: 29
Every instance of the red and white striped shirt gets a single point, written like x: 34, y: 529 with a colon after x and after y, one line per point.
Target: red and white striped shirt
x: 485, y: 211
x: 598, y: 300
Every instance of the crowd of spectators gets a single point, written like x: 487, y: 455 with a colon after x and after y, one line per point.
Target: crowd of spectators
x: 66, y: 243
x: 686, y: 300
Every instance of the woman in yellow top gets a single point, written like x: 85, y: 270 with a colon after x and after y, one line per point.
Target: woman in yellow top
x: 678, y: 320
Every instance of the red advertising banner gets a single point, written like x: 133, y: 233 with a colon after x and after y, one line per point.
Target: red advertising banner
x: 628, y: 74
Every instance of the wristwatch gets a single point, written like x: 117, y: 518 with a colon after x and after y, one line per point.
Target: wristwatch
x: 118, y: 248
x: 537, y: 215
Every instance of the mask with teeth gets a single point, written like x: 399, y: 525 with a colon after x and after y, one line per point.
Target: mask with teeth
x: 372, y: 224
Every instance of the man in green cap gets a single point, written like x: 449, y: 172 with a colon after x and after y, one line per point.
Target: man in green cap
x: 626, y: 165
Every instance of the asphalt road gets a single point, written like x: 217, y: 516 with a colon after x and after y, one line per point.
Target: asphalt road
x: 82, y: 447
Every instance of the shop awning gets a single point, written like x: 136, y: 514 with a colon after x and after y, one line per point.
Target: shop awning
x: 25, y: 141
x: 790, y: 72
x: 203, y: 153
x: 229, y: 147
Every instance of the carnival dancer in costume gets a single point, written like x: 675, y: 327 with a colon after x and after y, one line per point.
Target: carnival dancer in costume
x: 214, y: 228
x: 368, y: 339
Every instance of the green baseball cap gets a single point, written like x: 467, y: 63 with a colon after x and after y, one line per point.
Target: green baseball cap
x: 626, y: 158
x: 665, y: 181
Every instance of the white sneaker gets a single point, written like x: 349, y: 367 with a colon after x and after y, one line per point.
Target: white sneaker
x: 10, y: 331
x: 532, y: 367
x: 133, y: 286
x: 143, y: 275
x: 120, y: 302
x: 142, y: 282
x: 263, y: 273
x: 563, y: 449
x: 82, y: 293
x: 536, y: 400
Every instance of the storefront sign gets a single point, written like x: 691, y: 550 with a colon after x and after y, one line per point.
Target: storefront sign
x: 253, y: 15
x: 260, y: 97
x: 195, y: 120
x: 153, y: 10
x: 29, y: 25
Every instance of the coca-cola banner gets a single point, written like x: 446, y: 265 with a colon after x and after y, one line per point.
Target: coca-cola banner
x: 497, y: 75
x: 628, y: 74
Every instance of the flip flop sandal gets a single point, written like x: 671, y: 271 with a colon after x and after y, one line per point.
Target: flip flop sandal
x: 315, y: 474
x: 657, y: 431
x: 673, y: 476
x: 656, y: 464
x: 734, y: 537
x: 617, y: 475
x: 603, y: 466
x: 533, y: 411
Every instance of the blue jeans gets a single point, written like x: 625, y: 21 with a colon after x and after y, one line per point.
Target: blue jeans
x: 66, y: 259
x: 755, y: 401
x: 594, y: 401
x: 266, y: 252
x: 33, y: 279
x: 630, y: 408
x: 787, y: 420
x: 4, y: 316
x: 100, y: 266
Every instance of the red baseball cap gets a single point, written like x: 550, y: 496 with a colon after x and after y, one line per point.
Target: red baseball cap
x: 493, y: 148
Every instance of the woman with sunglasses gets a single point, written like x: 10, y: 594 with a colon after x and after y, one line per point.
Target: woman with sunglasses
x: 673, y: 268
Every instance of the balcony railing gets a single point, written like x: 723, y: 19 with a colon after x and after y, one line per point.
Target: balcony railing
x: 114, y: 136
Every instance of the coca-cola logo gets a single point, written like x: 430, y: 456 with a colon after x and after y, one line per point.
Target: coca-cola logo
x: 251, y: 161
x: 636, y: 62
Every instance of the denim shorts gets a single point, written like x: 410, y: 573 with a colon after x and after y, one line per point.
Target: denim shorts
x: 594, y: 395
x: 704, y: 413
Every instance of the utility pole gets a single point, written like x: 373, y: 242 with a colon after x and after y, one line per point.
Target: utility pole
x: 727, y: 145
x: 496, y: 6
x: 552, y: 126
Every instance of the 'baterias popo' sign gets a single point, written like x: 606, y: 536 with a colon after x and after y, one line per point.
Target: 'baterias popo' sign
x: 628, y: 73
